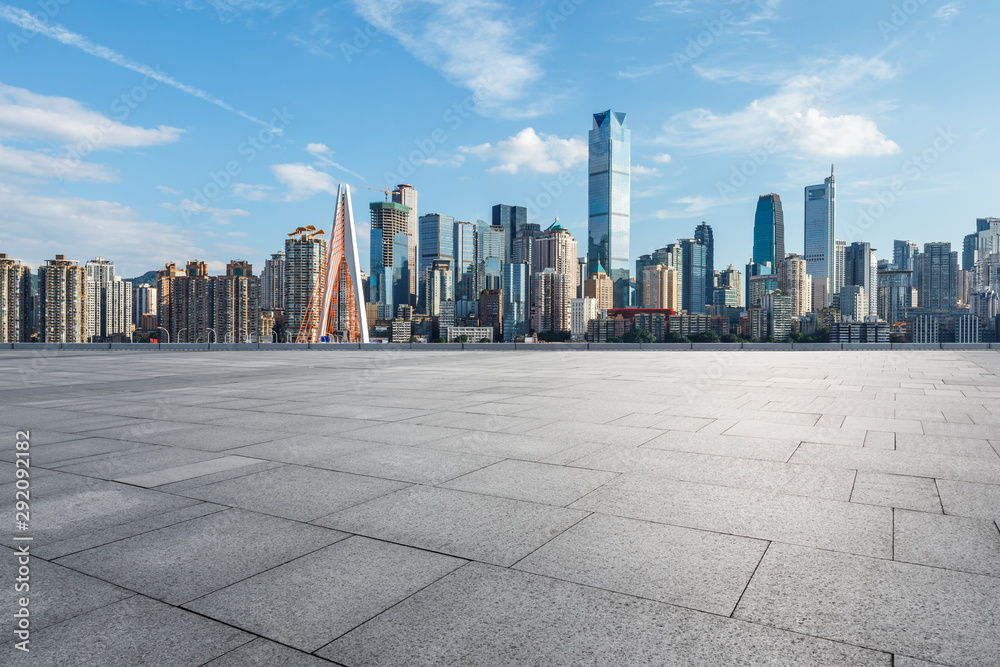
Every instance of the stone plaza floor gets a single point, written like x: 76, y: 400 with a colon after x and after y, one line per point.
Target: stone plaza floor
x: 505, y: 508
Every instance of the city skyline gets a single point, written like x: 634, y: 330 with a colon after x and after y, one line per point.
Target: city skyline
x: 739, y: 120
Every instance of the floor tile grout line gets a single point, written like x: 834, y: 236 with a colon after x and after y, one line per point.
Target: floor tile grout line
x: 767, y: 547
x: 587, y: 515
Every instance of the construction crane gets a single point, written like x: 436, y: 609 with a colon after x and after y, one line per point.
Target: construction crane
x: 385, y: 192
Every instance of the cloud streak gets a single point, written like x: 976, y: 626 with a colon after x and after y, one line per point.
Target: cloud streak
x: 25, y: 20
x: 538, y: 153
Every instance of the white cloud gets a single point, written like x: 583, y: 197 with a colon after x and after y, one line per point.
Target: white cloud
x: 251, y: 192
x: 949, y: 11
x: 663, y: 158
x: 169, y: 190
x: 33, y: 163
x: 222, y: 216
x: 319, y: 149
x: 28, y: 115
x: 472, y: 43
x: 795, y: 118
x: 36, y: 228
x: 27, y: 21
x: 639, y: 171
x: 303, y: 180
x: 538, y: 153
x: 689, y: 207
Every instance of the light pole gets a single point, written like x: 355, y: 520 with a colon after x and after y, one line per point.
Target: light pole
x: 207, y: 329
x: 166, y: 332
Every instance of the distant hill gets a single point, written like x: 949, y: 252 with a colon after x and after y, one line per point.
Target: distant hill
x: 147, y: 277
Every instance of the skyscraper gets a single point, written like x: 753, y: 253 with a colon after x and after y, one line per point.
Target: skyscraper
x: 895, y: 294
x: 437, y: 241
x: 769, y: 230
x: 237, y: 309
x: 15, y: 294
x: 388, y: 220
x: 491, y: 253
x: 599, y: 288
x: 703, y: 235
x: 512, y: 219
x: 61, y: 307
x: 839, y: 253
x: 144, y: 302
x: 693, y: 281
x: 515, y: 301
x: 970, y: 247
x: 405, y: 194
x: 794, y: 279
x: 861, y: 269
x: 820, y: 235
x: 609, y: 200
x: 272, y: 280
x: 465, y: 268
x: 659, y: 287
x: 938, y: 278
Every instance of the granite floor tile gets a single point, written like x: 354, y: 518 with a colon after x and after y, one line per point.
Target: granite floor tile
x: 312, y: 600
x: 894, y: 607
x: 483, y: 615
x: 764, y: 449
x: 189, y: 471
x: 178, y: 563
x: 951, y: 542
x: 970, y: 499
x: 912, y: 493
x: 572, y: 433
x: 295, y: 492
x: 827, y: 524
x: 946, y: 446
x: 137, y: 632
x: 691, y: 568
x: 397, y: 433
x: 263, y: 653
x: 524, y: 446
x: 534, y: 482
x: 137, y: 460
x: 303, y: 449
x: 418, y: 465
x: 466, y: 525
x: 896, y: 462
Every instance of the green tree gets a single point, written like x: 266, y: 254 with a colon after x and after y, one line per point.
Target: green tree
x: 705, y: 337
x: 462, y: 339
x: 485, y: 340
x: 731, y: 338
x: 674, y: 337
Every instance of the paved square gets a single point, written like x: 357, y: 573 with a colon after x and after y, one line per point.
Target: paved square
x: 507, y: 508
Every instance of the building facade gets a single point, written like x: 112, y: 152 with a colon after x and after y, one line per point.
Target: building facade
x: 515, y: 302
x: 794, y: 278
x: 820, y: 237
x: 15, y: 300
x: 61, y: 308
x: 272, y: 283
x: 609, y: 200
x: 768, y: 231
x: 406, y: 195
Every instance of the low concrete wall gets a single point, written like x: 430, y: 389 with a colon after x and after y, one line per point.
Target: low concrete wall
x: 185, y: 347
x: 333, y: 347
x: 676, y: 347
x: 233, y: 347
x: 434, y: 347
x: 615, y: 347
x: 868, y: 346
x: 813, y: 347
x: 717, y: 347
x: 488, y: 347
x: 965, y: 346
x: 283, y: 347
x: 915, y: 346
x: 35, y: 346
x: 551, y: 347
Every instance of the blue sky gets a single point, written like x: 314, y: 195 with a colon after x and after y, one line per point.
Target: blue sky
x: 167, y: 130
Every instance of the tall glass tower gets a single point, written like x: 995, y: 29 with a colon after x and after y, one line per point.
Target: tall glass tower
x: 769, y: 231
x: 820, y: 235
x: 703, y: 235
x: 609, y: 201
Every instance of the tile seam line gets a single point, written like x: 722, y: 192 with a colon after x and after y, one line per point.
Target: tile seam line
x: 767, y: 547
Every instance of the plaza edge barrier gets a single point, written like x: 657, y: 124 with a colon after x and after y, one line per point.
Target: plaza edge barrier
x: 540, y: 347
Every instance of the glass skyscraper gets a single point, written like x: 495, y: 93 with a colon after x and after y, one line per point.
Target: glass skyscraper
x: 609, y: 201
x: 703, y: 235
x: 820, y: 235
x: 769, y: 231
x: 693, y: 283
x: 437, y: 241
x: 512, y: 219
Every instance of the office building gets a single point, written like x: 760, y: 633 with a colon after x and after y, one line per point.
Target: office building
x: 304, y: 259
x: 778, y: 306
x: 758, y: 286
x: 388, y: 221
x: 768, y: 231
x: 970, y: 248
x: 491, y: 254
x: 728, y: 289
x: 465, y: 269
x: 61, y: 308
x: 703, y: 235
x: 854, y: 303
x: 440, y: 295
x: 491, y: 311
x: 511, y: 219
x: 659, y: 287
x: 840, y: 258
x: 406, y: 195
x: 820, y: 237
x: 583, y: 311
x: 469, y: 334
x: 861, y: 269
x: 939, y: 278
x: 609, y: 200
x: 694, y: 300
x: 515, y: 301
x: 895, y: 294
x: 272, y: 283
x: 796, y: 281
x: 15, y: 300
x: 755, y: 270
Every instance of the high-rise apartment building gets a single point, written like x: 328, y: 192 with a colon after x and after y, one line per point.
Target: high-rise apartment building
x: 755, y: 270
x: 599, y: 288
x: 583, y: 311
x: 491, y: 311
x: 854, y: 303
x: 728, y: 288
x: 796, y: 281
x: 15, y: 298
x: 515, y: 301
x: 553, y: 293
x: 659, y: 287
x: 192, y: 305
x: 272, y: 283
x: 164, y: 292
x: 512, y: 219
x: 437, y: 241
x: 406, y: 195
x: 970, y: 248
x: 491, y: 254
x: 390, y: 219
x: 609, y: 200
x: 304, y: 265
x: 861, y: 269
x: 895, y: 294
x: 237, y: 309
x: 440, y: 285
x: 109, y: 302
x: 144, y: 302
x: 820, y: 236
x: 769, y: 231
x: 465, y: 268
x: 61, y: 307
x: 840, y: 256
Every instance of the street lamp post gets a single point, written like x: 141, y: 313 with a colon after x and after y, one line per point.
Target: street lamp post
x: 207, y: 329
x: 166, y: 332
